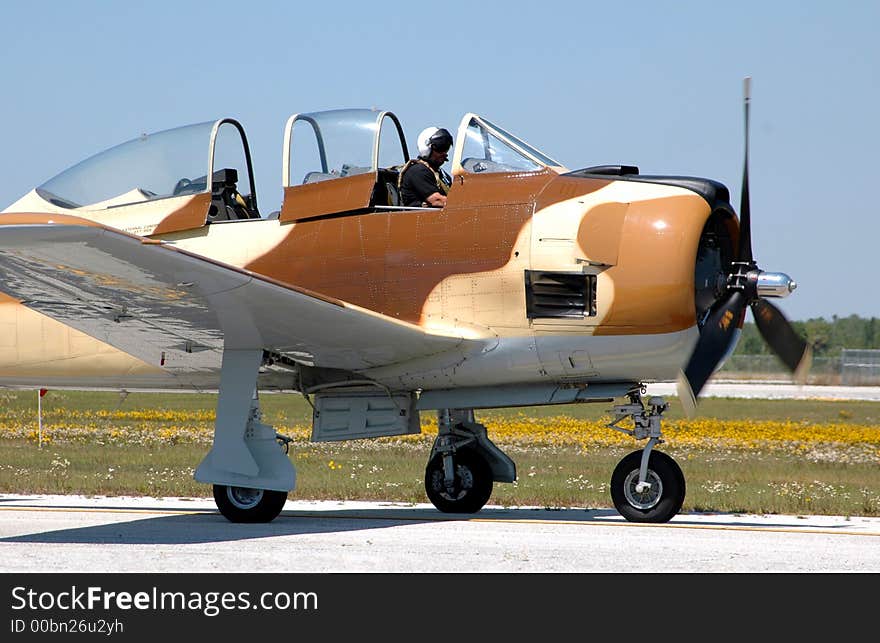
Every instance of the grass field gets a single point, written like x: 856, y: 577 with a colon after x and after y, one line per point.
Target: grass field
x: 764, y: 456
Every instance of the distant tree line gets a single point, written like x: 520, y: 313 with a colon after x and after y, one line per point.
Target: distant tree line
x: 827, y: 337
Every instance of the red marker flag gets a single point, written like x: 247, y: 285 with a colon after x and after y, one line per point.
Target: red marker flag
x: 43, y: 391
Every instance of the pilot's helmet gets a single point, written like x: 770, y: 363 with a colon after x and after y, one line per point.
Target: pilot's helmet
x: 434, y: 137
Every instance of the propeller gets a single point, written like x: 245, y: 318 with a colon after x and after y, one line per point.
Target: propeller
x: 746, y: 286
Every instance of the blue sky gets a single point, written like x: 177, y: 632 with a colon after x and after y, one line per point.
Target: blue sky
x: 653, y: 84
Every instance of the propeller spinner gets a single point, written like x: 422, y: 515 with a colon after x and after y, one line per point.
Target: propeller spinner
x: 746, y: 285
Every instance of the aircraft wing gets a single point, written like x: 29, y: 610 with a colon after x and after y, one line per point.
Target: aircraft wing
x: 177, y: 309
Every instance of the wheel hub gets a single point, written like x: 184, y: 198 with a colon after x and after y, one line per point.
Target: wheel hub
x: 639, y: 497
x: 463, y: 482
x: 244, y: 497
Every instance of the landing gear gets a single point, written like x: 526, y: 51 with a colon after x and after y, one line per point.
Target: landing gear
x: 646, y: 486
x: 463, y: 464
x: 659, y: 499
x: 248, y: 464
x: 469, y: 488
x: 245, y: 504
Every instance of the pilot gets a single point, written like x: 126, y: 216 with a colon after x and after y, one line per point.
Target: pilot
x: 422, y: 182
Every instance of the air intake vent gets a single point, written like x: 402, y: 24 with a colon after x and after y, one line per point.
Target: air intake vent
x: 560, y: 295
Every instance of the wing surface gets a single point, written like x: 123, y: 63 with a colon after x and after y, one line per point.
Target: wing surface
x: 176, y: 309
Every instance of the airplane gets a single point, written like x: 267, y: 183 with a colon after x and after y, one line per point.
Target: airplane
x: 149, y: 266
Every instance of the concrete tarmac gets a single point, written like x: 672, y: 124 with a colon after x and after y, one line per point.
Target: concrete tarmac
x: 772, y: 390
x: 122, y: 534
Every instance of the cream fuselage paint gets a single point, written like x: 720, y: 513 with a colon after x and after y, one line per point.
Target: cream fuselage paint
x: 639, y: 240
x: 462, y: 269
x: 644, y: 301
x: 37, y: 351
x: 141, y: 217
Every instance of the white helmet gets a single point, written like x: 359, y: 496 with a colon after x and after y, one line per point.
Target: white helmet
x: 433, y: 137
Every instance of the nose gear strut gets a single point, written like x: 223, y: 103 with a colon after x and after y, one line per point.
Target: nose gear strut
x: 657, y: 494
x: 646, y: 419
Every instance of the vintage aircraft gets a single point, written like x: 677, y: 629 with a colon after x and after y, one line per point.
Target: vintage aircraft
x: 145, y: 267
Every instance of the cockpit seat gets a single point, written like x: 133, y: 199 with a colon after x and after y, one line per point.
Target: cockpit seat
x: 385, y: 192
x: 226, y: 202
x: 393, y: 194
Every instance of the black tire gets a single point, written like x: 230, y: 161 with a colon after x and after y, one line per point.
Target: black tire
x: 656, y: 505
x: 473, y: 483
x: 243, y: 504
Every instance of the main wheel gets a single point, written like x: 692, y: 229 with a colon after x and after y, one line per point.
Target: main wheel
x: 472, y: 484
x: 244, y: 504
x: 659, y: 503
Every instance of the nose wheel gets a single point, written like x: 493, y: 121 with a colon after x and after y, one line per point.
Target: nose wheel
x: 656, y: 499
x: 647, y: 485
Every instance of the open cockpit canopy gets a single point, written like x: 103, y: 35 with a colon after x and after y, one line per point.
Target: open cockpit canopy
x: 341, y: 160
x: 334, y: 162
x: 348, y: 160
x: 122, y: 185
x: 333, y: 144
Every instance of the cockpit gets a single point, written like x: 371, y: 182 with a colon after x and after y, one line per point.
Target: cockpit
x: 334, y: 163
x: 349, y: 160
x: 341, y: 160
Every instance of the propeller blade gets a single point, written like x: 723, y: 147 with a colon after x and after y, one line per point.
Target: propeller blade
x: 712, y: 346
x: 779, y: 334
x: 745, y: 227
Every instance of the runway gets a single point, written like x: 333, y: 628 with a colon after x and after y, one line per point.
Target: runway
x: 80, y: 534
x: 771, y: 390
x: 165, y: 535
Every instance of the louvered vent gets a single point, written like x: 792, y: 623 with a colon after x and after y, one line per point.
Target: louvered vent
x: 561, y: 295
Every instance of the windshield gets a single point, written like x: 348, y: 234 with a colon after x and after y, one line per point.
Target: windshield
x: 151, y: 166
x: 489, y: 148
x: 528, y: 149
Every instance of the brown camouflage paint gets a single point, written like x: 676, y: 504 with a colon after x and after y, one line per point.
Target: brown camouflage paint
x: 189, y: 216
x: 327, y: 197
x: 390, y: 262
x: 654, y: 274
x: 36, y: 218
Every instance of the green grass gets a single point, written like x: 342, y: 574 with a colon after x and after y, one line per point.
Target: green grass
x: 294, y: 409
x: 718, y: 479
